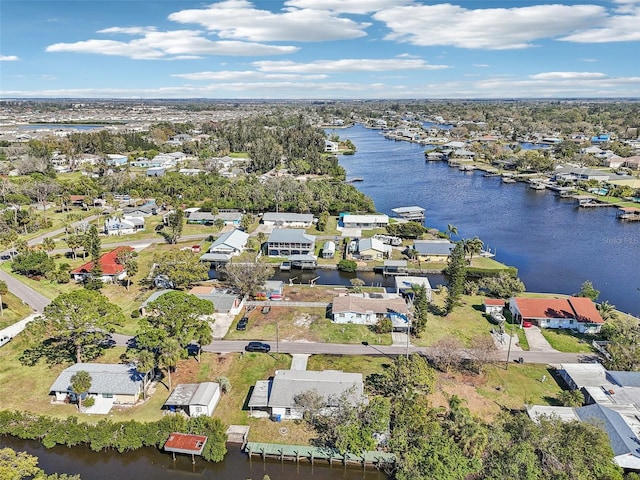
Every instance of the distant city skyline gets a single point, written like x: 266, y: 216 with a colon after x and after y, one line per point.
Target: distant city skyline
x: 319, y: 49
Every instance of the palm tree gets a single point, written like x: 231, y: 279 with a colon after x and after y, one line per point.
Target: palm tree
x: 145, y: 361
x: 607, y: 311
x: 169, y: 356
x: 571, y: 398
x: 48, y: 244
x: 204, y: 336
x: 473, y: 247
x: 452, y: 229
x: 80, y: 384
x: 4, y: 289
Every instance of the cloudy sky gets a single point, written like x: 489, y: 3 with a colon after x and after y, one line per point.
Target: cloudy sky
x: 319, y: 49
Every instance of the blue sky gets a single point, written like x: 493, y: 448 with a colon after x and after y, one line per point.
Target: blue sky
x: 319, y: 49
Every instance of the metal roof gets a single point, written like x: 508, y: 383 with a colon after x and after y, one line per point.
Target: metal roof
x: 622, y: 439
x: 433, y: 247
x: 290, y: 235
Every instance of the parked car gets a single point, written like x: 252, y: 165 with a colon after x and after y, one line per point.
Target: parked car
x: 258, y: 347
x: 4, y: 340
x: 527, y: 324
x: 242, y: 323
x: 266, y: 309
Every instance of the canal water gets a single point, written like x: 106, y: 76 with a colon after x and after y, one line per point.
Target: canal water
x: 151, y: 463
x: 555, y: 245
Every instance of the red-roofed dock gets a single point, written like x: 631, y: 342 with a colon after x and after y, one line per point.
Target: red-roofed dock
x: 185, y: 443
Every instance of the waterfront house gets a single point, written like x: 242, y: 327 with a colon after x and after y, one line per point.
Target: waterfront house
x: 224, y: 301
x: 111, y: 269
x: 156, y: 171
x: 394, y: 267
x: 373, y: 249
x: 405, y: 284
x: 283, y: 242
x: 328, y: 249
x: 227, y: 245
x: 576, y: 313
x: 601, y: 138
x: 366, y: 222
x: 141, y: 211
x: 287, y: 219
x: 437, y: 251
x: 116, y: 159
x: 126, y: 225
x: 209, y: 218
x: 331, y: 147
x: 194, y: 399
x: 364, y: 310
x: 111, y: 384
x: 277, y: 395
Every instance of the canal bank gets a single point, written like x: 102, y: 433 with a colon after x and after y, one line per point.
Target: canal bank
x: 554, y: 244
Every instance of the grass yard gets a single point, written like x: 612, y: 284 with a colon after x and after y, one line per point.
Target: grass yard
x: 568, y: 341
x: 13, y: 310
x: 350, y: 364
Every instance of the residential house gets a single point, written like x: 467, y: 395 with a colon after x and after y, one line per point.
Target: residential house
x: 111, y: 270
x: 405, y: 284
x: 126, y: 225
x: 141, y: 211
x: 493, y: 305
x: 612, y: 399
x: 194, y: 399
x: 277, y: 395
x: 227, y: 245
x: 209, y: 218
x: 156, y: 171
x: 577, y: 313
x: 224, y: 301
x: 287, y: 219
x: 373, y: 249
x: 437, y: 251
x: 331, y: 147
x: 117, y: 160
x: 190, y: 172
x: 111, y: 384
x: 579, y: 174
x: 366, y: 222
x: 365, y: 310
x: 283, y: 242
x: 601, y: 138
x: 328, y: 249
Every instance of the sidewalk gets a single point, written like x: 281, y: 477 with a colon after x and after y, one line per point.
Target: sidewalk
x: 16, y: 328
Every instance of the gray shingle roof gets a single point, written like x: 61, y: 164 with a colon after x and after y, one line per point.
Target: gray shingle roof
x: 287, y: 217
x: 433, y: 247
x: 117, y: 379
x: 622, y: 439
x: 625, y: 379
x: 287, y: 384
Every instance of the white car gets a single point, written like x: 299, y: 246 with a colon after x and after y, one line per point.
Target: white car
x: 4, y: 340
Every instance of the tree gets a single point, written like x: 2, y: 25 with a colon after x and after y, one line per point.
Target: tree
x: 145, y: 362
x: 356, y: 285
x: 170, y: 352
x: 587, y: 290
x: 8, y: 239
x: 248, y: 278
x: 93, y: 246
x: 48, y: 244
x: 128, y: 259
x: 483, y: 350
x: 472, y: 246
x: 4, y: 289
x: 503, y: 285
x: 571, y: 398
x: 607, y: 311
x: 452, y: 230
x: 76, y: 325
x: 175, y: 223
x: 447, y: 352
x: 80, y: 384
x: 33, y: 263
x: 204, y: 336
x: 420, y: 309
x: 181, y: 267
x: 176, y: 316
x: 22, y: 466
x: 455, y: 273
x: 74, y: 242
x: 347, y: 266
x: 225, y: 384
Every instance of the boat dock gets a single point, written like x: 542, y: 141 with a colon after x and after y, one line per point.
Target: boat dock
x: 412, y: 214
x: 630, y: 214
x: 297, y: 453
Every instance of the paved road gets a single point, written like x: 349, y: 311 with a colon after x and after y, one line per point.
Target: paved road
x: 28, y: 295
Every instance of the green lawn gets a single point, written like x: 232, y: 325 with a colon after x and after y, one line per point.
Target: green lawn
x: 568, y: 341
x: 13, y: 310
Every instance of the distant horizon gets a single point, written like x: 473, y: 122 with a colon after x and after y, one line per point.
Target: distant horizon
x: 320, y: 49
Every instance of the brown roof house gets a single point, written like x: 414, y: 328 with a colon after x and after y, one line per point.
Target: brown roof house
x: 576, y: 313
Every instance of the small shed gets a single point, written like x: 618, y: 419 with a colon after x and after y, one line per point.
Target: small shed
x: 185, y: 443
x: 195, y: 399
x: 493, y: 305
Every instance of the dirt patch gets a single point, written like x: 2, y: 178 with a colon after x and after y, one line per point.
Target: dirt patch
x: 299, y: 293
x: 464, y: 386
x: 303, y: 320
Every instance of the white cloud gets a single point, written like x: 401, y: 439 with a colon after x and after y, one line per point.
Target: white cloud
x: 567, y: 75
x: 347, y: 65
x: 239, y: 19
x: 490, y: 28
x: 347, y: 6
x: 176, y: 44
x: 129, y: 30
x: 8, y: 58
x: 622, y: 27
x: 235, y: 76
x: 481, y: 65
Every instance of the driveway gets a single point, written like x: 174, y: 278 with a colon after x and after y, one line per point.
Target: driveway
x: 537, y: 342
x: 221, y: 324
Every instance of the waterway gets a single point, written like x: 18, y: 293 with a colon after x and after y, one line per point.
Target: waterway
x: 151, y: 463
x: 555, y: 245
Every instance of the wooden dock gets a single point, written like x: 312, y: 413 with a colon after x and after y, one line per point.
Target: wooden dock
x: 308, y: 453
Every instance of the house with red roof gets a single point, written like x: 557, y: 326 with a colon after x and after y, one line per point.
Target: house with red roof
x: 112, y: 269
x: 576, y: 313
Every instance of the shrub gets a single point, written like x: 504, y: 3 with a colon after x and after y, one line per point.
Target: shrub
x: 347, y: 266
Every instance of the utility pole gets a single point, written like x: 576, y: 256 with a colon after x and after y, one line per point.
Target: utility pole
x: 408, y: 333
x: 277, y: 338
x: 506, y: 367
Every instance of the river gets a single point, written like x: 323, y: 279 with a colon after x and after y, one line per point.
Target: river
x: 151, y: 463
x: 555, y: 245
